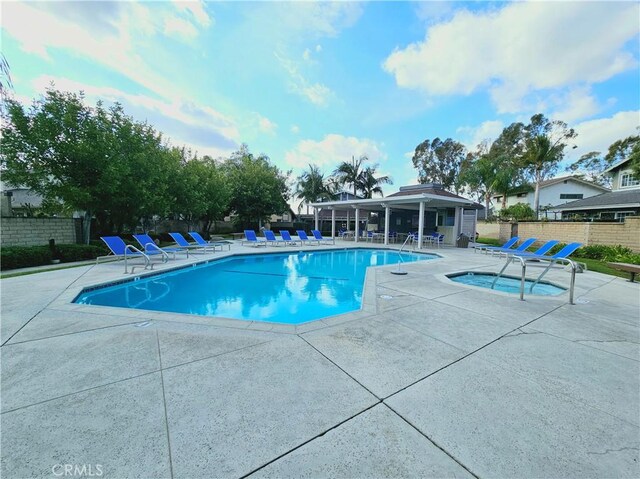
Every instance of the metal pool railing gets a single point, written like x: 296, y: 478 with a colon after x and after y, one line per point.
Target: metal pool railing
x: 551, y: 261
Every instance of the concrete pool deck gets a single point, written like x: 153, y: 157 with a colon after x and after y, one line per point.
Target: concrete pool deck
x: 430, y: 379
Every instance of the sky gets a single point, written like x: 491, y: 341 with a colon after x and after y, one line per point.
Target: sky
x: 320, y: 82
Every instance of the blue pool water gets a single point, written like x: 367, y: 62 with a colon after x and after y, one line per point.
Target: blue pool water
x: 506, y: 284
x: 291, y: 288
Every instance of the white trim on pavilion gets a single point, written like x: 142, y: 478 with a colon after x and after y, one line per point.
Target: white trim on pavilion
x: 415, y: 202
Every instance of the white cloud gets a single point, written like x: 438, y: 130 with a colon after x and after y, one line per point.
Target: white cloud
x: 597, y: 135
x: 332, y: 150
x: 574, y: 105
x: 196, y: 8
x: 316, y: 93
x: 318, y: 48
x: 472, y: 136
x: 200, y: 127
x: 306, y: 55
x: 179, y: 27
x: 265, y: 125
x: 295, y: 129
x: 111, y: 38
x: 519, y: 49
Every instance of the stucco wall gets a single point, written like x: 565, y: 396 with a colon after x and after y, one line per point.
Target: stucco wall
x: 625, y: 234
x: 37, y: 231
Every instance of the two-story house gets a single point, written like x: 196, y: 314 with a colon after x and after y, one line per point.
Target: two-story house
x: 555, y: 191
x: 622, y: 201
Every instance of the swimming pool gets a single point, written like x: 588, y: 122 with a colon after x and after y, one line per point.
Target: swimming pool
x: 506, y: 284
x: 289, y: 288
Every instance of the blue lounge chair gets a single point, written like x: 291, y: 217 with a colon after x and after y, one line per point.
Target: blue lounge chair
x: 317, y: 235
x: 251, y: 238
x: 508, y: 245
x: 304, y: 239
x: 120, y: 250
x: 564, y: 253
x: 284, y: 234
x: 561, y: 256
x: 203, y: 242
x: 541, y: 250
x: 271, y: 238
x: 151, y: 248
x: 520, y: 249
x: 182, y: 242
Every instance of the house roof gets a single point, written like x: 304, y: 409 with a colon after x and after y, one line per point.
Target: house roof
x: 617, y: 165
x: 409, y: 198
x: 429, y: 188
x: 612, y: 199
x: 526, y: 188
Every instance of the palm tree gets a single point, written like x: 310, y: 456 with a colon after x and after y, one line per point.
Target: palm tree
x: 369, y: 184
x: 544, y: 145
x: 312, y: 186
x: 351, y: 173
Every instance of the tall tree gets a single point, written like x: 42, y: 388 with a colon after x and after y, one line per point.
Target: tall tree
x: 478, y: 171
x: 202, y: 192
x: 350, y: 173
x: 258, y: 188
x: 58, y: 149
x: 590, y: 167
x: 439, y: 161
x: 370, y: 184
x: 95, y: 160
x: 544, y: 145
x: 5, y: 76
x: 626, y: 148
x: 312, y: 186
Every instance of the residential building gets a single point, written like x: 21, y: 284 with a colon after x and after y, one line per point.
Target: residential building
x: 622, y: 201
x: 553, y: 192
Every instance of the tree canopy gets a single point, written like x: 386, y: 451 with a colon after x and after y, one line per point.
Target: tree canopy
x: 439, y: 161
x: 258, y: 188
x: 312, y: 186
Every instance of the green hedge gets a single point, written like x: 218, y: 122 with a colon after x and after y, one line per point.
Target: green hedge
x: 12, y: 257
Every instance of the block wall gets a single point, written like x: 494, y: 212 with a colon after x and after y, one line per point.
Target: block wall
x: 488, y: 230
x: 625, y: 234
x: 37, y: 231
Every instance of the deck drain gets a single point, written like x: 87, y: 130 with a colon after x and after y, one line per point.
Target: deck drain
x: 386, y: 296
x: 143, y: 325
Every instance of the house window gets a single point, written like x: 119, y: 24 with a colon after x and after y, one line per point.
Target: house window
x: 522, y: 195
x: 621, y: 215
x: 571, y: 196
x: 627, y: 180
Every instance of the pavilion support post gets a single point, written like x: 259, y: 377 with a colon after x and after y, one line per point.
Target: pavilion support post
x: 315, y: 217
x: 387, y: 212
x: 333, y: 222
x: 420, y: 224
x: 357, y: 228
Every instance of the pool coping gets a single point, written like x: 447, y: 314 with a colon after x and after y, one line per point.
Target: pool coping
x: 368, y: 306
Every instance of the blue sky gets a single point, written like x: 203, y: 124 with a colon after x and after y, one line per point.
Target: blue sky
x: 318, y: 82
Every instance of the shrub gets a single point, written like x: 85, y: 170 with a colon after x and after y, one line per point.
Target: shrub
x: 79, y: 252
x: 604, y: 252
x: 518, y: 212
x: 12, y: 257
x: 489, y: 241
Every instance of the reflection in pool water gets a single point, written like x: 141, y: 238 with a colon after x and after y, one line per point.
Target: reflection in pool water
x: 286, y: 288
